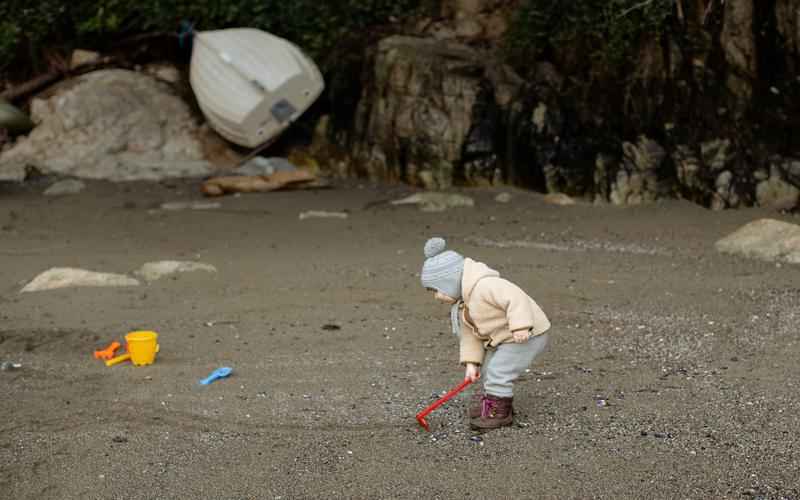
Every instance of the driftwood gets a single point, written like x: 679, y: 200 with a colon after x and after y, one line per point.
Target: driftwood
x: 30, y: 86
x: 62, y: 71
x: 218, y: 186
x: 24, y: 90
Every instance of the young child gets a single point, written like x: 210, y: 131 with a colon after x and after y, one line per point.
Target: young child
x: 500, y: 327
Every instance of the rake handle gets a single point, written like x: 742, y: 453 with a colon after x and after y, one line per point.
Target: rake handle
x: 439, y: 402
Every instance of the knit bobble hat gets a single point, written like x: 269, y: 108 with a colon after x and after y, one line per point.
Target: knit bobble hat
x: 442, y: 269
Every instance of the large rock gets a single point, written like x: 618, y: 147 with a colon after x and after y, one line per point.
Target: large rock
x: 13, y: 121
x: 790, y: 167
x: 112, y: 124
x: 638, y: 180
x: 713, y: 176
x: 66, y: 277
x: 432, y: 110
x: 152, y: 271
x: 67, y: 186
x: 436, y: 202
x: 764, y: 239
x: 429, y: 108
x: 774, y: 191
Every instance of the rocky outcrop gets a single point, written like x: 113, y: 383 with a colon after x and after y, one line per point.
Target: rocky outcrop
x: 429, y: 113
x: 638, y: 181
x: 67, y: 277
x: 774, y: 191
x: 112, y: 124
x: 764, y: 239
x: 708, y: 111
x: 152, y: 271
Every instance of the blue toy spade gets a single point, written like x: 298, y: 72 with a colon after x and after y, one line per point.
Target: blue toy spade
x: 217, y: 374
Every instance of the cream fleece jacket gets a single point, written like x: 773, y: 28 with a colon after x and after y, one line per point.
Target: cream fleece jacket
x: 497, y: 307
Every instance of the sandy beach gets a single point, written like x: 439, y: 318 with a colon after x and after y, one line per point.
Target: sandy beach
x: 672, y: 371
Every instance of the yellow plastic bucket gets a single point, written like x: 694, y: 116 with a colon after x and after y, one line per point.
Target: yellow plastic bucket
x: 142, y: 346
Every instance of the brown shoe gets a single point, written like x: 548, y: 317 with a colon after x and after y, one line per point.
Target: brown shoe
x: 475, y: 404
x: 496, y: 412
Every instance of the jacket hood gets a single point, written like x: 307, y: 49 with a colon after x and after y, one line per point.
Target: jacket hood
x: 473, y: 272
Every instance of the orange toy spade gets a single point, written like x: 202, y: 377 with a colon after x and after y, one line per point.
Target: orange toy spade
x: 108, y: 352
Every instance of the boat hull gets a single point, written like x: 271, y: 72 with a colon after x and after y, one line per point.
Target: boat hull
x: 250, y: 84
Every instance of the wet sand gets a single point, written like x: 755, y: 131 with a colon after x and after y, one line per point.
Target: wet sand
x: 672, y: 371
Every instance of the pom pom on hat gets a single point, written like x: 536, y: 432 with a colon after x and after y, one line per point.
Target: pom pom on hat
x: 434, y: 247
x: 442, y: 269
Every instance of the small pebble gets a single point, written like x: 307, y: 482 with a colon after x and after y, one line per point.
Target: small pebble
x: 7, y: 366
x: 476, y: 439
x: 503, y: 198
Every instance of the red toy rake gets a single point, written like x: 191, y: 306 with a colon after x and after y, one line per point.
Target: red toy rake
x: 439, y: 402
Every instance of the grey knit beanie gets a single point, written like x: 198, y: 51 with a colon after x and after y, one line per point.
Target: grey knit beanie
x: 442, y: 269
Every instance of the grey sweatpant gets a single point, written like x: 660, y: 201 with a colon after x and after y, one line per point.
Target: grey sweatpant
x: 504, y: 364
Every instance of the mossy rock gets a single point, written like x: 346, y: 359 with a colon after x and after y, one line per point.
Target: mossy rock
x: 13, y: 120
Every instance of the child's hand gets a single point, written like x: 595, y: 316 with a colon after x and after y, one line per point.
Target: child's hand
x: 521, y: 336
x: 473, y: 372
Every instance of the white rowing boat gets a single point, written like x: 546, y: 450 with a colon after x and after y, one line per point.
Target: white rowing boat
x: 251, y: 85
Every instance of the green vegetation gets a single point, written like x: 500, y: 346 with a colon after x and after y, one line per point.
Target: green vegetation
x: 29, y: 26
x: 605, y: 31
